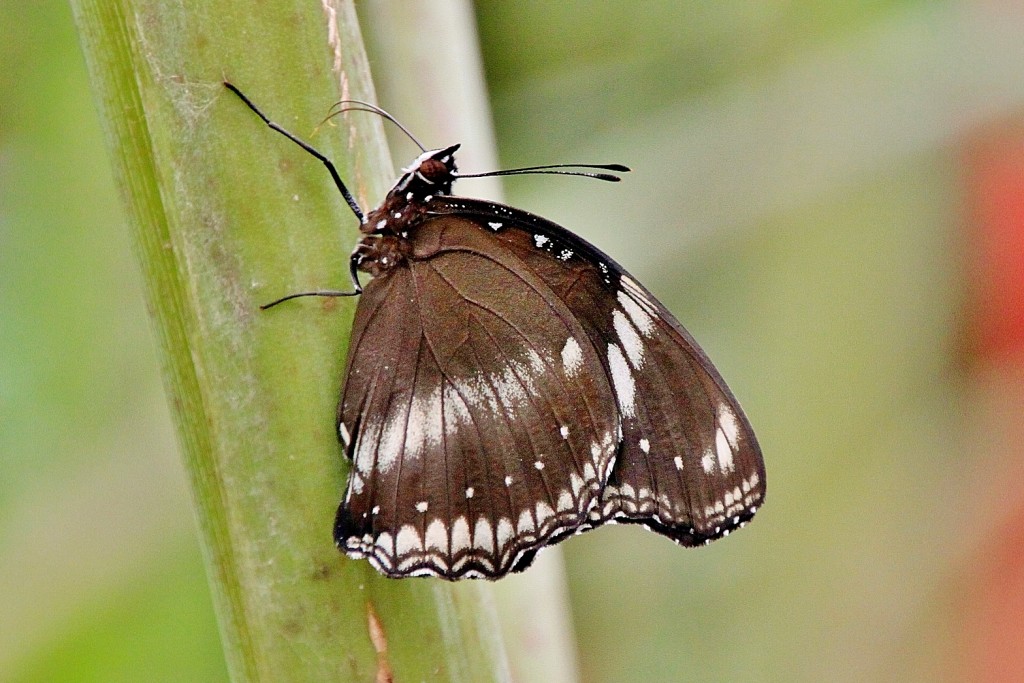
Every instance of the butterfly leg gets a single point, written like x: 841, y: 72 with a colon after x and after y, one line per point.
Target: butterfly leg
x: 353, y: 269
x: 326, y: 162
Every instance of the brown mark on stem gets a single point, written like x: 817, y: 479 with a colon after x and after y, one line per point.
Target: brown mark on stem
x: 380, y: 646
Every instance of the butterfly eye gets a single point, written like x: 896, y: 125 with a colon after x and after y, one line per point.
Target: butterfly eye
x: 435, y: 171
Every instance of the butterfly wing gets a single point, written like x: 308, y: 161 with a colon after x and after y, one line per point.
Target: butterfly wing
x: 477, y: 436
x: 689, y: 465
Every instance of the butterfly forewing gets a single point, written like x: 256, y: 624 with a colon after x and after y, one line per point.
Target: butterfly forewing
x: 476, y: 430
x: 689, y: 466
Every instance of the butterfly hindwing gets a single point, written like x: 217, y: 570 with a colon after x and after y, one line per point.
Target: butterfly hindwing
x: 689, y: 465
x: 477, y: 435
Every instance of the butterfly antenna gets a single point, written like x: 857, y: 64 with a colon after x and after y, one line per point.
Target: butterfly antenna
x: 359, y: 105
x: 552, y: 169
x: 326, y: 162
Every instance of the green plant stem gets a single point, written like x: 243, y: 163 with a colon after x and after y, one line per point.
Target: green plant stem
x: 227, y: 215
x: 532, y: 607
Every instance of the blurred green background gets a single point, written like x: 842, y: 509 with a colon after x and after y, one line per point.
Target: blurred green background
x: 801, y: 199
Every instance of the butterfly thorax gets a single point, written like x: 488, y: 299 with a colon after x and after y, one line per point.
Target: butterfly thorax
x: 390, y: 227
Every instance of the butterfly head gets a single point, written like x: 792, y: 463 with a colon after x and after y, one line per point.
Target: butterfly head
x: 431, y: 174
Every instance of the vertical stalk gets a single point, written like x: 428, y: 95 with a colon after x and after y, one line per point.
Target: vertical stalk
x: 227, y: 215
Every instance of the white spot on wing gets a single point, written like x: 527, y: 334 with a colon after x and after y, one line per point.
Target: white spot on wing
x: 391, y: 441
x: 407, y: 541
x: 343, y: 432
x: 629, y: 338
x: 424, y: 429
x: 525, y: 524
x: 572, y: 356
x: 456, y: 413
x: 508, y: 481
x: 460, y: 535
x: 437, y: 536
x: 483, y: 536
x: 422, y: 506
x: 544, y: 513
x: 540, y: 240
x: 577, y: 484
x: 726, y: 438
x: 510, y: 390
x: 645, y: 445
x: 536, y: 362
x: 727, y: 421
x: 564, y: 431
x: 707, y: 461
x: 622, y: 378
x: 504, y: 532
x: 505, y: 391
x: 469, y: 492
x: 386, y: 543
x: 636, y: 313
x: 638, y: 294
x: 723, y: 450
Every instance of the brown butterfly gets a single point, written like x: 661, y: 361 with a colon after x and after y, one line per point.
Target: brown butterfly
x: 509, y: 385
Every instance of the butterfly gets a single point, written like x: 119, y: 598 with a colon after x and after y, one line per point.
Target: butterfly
x: 509, y: 385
